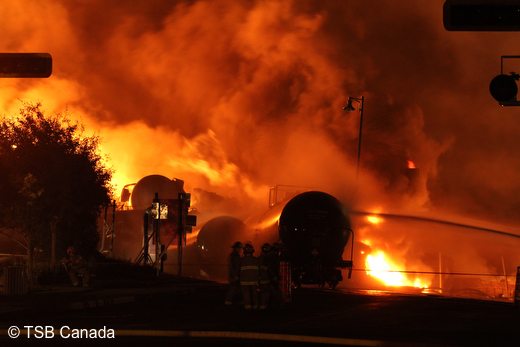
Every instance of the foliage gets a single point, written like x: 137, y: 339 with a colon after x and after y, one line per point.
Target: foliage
x: 51, y: 175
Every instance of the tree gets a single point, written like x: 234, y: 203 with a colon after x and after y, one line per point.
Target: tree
x: 52, y: 179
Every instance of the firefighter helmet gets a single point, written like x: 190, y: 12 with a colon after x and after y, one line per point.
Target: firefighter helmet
x: 266, y: 248
x: 249, y: 249
x: 237, y: 244
x: 277, y: 247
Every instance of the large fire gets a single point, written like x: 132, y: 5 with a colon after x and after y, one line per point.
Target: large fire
x: 380, y: 266
x: 235, y: 96
x: 385, y: 268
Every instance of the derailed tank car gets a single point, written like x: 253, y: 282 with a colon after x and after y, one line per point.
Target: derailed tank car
x: 312, y: 226
x: 315, y: 229
x: 128, y: 239
x: 214, y: 242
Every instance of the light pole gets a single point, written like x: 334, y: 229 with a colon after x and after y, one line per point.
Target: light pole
x: 349, y: 107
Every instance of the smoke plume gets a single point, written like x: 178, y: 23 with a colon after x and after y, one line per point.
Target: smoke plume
x: 234, y: 96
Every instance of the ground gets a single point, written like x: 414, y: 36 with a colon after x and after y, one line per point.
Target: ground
x: 184, y: 311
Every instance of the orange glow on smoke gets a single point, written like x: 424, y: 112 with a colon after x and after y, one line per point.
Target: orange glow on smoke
x: 373, y: 219
x: 191, y: 239
x: 411, y: 165
x: 380, y: 266
x: 367, y: 242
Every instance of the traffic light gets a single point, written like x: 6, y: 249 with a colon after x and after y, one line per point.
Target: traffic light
x: 503, y: 87
x: 481, y: 15
x: 25, y: 65
x: 187, y: 221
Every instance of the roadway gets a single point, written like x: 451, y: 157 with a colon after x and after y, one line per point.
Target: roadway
x: 192, y: 313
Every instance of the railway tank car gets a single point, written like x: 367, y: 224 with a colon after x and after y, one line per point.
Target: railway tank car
x: 313, y: 228
x: 128, y: 239
x: 214, y: 242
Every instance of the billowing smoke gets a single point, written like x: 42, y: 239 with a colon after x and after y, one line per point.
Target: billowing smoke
x: 255, y: 90
x: 234, y: 96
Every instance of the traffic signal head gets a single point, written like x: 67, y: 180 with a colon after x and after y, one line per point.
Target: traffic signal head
x: 503, y: 88
x: 25, y: 65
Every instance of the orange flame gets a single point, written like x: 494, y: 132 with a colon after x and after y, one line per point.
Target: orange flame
x: 380, y: 266
x: 411, y: 165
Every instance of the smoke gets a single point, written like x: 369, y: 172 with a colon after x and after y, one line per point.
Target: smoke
x: 234, y: 96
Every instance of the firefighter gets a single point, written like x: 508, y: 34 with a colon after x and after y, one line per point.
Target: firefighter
x: 76, y: 267
x: 249, y: 277
x: 265, y: 276
x: 234, y: 272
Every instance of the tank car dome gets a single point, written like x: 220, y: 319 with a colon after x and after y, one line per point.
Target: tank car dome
x: 144, y: 191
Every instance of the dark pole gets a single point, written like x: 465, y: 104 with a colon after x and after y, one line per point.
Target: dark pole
x: 351, y: 256
x: 113, y: 228
x: 146, y: 253
x: 157, y: 226
x: 360, y: 135
x: 53, y: 243
x: 180, y: 231
x: 105, y: 229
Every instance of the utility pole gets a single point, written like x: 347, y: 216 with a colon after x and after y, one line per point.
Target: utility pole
x: 53, y: 243
x: 156, y: 227
x: 180, y: 232
x: 113, y: 228
x: 349, y: 107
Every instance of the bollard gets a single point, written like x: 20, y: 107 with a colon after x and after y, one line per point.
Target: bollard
x: 517, y: 287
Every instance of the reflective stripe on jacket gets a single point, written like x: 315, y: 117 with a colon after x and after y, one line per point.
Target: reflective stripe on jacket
x: 249, y: 271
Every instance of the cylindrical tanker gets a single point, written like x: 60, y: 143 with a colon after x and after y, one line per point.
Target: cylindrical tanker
x: 214, y: 242
x: 314, y: 222
x: 313, y: 227
x: 128, y: 239
x: 144, y: 191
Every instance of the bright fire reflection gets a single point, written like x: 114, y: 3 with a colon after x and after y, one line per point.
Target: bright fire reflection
x: 381, y: 267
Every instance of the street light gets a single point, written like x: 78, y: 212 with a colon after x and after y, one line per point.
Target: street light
x: 349, y: 107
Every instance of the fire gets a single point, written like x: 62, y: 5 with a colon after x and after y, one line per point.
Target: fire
x: 380, y: 266
x: 411, y: 165
x: 373, y: 219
